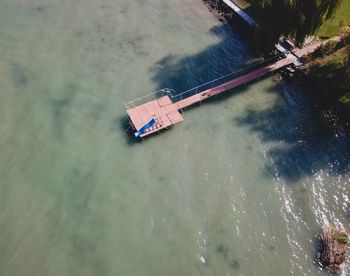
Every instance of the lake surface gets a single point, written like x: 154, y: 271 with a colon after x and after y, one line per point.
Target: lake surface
x: 241, y: 187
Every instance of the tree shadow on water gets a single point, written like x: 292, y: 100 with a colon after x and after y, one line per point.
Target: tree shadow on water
x: 309, y: 137
x: 227, y: 55
x: 224, y: 57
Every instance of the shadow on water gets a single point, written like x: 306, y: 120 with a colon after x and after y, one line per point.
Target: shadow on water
x: 124, y: 126
x: 130, y: 140
x: 182, y: 73
x: 311, y: 137
x: 317, y: 242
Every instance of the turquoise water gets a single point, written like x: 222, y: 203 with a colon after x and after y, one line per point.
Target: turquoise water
x: 241, y: 187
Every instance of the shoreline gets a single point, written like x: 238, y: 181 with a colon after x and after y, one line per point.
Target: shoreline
x: 226, y: 15
x: 300, y: 76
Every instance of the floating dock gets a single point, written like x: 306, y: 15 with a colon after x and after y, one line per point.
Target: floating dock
x: 167, y: 106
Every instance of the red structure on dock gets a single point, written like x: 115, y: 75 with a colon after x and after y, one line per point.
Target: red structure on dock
x: 166, y: 108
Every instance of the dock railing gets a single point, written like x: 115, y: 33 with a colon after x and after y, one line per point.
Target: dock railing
x: 175, y: 97
x: 150, y: 97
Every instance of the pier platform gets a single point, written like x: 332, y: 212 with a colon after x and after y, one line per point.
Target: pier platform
x: 166, y: 108
x: 162, y: 110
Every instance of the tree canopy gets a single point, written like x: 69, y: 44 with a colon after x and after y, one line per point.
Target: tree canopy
x: 298, y: 18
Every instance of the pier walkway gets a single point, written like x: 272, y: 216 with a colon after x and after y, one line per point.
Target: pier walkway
x: 166, y: 106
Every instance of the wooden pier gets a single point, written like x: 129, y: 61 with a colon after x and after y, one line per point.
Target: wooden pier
x: 166, y: 111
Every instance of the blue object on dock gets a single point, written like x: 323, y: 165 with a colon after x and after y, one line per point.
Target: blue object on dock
x: 144, y: 128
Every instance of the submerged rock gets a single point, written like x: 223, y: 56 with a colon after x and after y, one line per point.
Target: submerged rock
x: 333, y: 249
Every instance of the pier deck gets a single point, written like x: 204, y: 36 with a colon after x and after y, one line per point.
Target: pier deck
x: 161, y: 109
x: 167, y: 113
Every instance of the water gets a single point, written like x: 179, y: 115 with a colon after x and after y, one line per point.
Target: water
x: 241, y: 187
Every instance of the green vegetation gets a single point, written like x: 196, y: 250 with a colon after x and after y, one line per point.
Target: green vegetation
x: 330, y: 65
x: 330, y: 68
x: 329, y: 28
x: 337, y: 22
x: 333, y: 249
x: 296, y: 18
x: 341, y: 237
x: 345, y: 99
x: 243, y: 4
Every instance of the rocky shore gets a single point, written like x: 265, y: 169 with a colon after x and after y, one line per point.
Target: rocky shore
x: 333, y: 249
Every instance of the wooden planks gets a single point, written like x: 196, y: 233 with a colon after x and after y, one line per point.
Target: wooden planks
x: 167, y: 113
x: 162, y: 109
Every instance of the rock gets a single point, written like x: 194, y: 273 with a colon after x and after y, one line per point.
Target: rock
x: 333, y: 249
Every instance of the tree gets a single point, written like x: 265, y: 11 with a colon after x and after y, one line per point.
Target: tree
x: 296, y: 18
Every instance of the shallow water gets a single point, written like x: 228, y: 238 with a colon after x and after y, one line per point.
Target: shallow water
x: 241, y: 187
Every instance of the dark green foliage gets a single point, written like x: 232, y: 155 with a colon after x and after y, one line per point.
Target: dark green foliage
x: 296, y: 18
x: 331, y: 70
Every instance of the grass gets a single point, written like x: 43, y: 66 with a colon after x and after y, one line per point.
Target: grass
x: 335, y: 25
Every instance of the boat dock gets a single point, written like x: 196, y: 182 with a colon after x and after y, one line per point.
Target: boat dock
x: 166, y: 106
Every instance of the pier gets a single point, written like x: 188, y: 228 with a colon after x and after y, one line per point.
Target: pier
x: 166, y: 106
